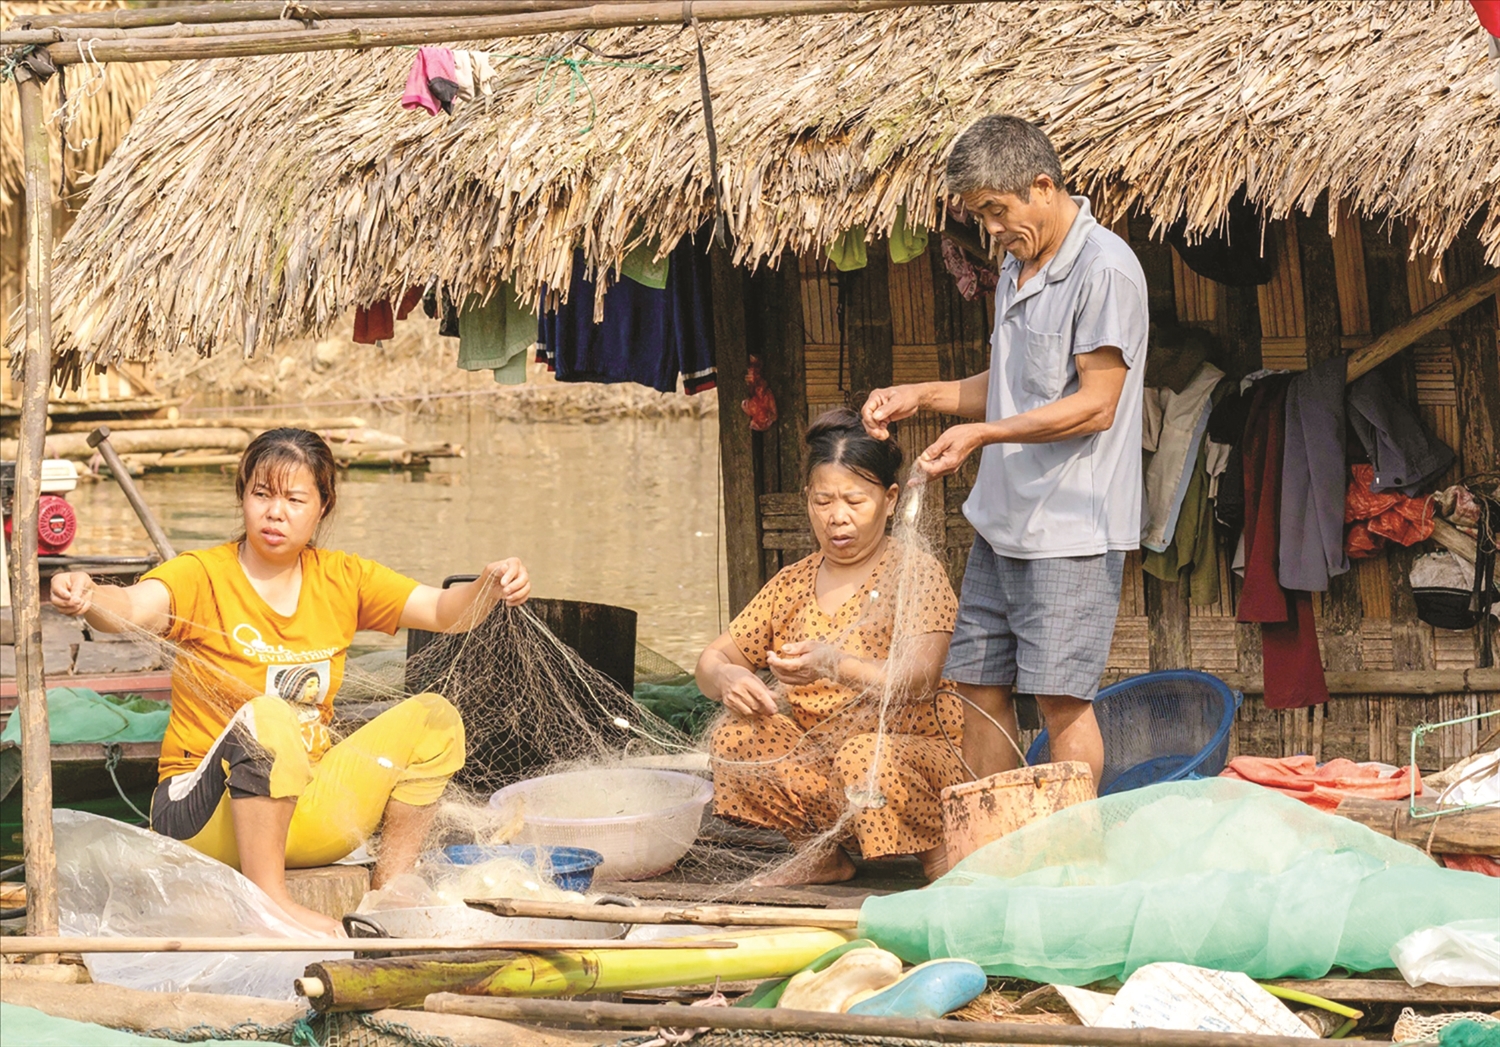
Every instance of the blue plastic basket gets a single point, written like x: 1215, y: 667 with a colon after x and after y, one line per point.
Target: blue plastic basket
x: 571, y: 868
x: 1160, y: 727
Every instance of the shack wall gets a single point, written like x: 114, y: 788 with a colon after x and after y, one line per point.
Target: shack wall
x: 827, y: 338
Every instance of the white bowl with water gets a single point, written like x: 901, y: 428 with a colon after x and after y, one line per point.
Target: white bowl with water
x: 642, y: 820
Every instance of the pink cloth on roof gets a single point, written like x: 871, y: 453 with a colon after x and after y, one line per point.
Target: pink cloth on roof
x: 432, y: 63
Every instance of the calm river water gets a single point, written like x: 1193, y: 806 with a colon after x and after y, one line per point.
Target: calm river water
x: 623, y: 512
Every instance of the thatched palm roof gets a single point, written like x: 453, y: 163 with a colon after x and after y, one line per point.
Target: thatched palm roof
x: 104, y: 101
x: 264, y: 198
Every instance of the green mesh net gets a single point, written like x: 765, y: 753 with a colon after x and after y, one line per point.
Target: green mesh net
x: 1215, y: 873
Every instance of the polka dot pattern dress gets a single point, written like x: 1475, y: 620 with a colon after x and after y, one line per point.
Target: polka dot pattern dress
x: 795, y: 771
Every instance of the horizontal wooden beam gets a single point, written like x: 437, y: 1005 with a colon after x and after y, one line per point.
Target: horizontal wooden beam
x: 26, y: 945
x: 1388, y: 681
x: 1429, y: 319
x: 403, y: 32
x: 1474, y: 831
x: 695, y: 913
x: 616, y: 1016
x: 280, y: 10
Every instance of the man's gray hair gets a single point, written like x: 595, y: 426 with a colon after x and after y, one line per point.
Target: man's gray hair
x: 1003, y: 154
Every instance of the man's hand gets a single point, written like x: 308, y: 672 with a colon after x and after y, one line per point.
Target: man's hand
x: 952, y: 449
x: 72, y: 593
x: 885, y: 406
x: 509, y: 580
x: 804, y: 662
x: 745, y: 693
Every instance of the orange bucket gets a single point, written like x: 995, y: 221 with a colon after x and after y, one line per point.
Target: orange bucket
x: 976, y: 813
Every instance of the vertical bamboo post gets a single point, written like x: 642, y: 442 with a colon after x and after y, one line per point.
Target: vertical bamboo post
x: 36, y: 378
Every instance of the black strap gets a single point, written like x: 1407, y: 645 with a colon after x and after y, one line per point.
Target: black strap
x: 689, y: 19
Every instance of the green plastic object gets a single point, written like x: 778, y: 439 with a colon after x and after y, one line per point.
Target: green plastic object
x: 1216, y: 873
x: 77, y: 714
x: 767, y: 995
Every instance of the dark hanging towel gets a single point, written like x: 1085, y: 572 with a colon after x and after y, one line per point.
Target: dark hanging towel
x: 648, y: 335
x: 1293, y: 664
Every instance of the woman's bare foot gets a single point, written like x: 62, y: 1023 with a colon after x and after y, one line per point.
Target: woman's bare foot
x: 312, y: 920
x: 934, y: 862
x: 813, y: 866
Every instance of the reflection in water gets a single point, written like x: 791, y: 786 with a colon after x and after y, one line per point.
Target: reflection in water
x: 623, y: 512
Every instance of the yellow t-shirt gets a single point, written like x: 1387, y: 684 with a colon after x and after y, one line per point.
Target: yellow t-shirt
x: 235, y: 647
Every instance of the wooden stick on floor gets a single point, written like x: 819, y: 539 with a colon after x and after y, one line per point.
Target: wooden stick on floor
x: 653, y: 1016
x: 708, y: 915
x: 26, y: 946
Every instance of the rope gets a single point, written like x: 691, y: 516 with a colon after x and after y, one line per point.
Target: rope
x: 547, y: 83
x: 112, y: 754
x: 689, y: 19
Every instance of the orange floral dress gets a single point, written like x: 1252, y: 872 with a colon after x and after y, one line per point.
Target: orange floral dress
x: 795, y: 771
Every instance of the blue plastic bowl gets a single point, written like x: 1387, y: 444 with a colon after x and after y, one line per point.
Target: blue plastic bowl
x: 571, y: 868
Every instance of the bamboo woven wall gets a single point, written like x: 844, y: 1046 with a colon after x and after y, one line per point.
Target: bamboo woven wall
x: 1366, y: 622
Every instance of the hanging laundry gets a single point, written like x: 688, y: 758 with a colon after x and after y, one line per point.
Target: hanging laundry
x: 907, y: 241
x: 849, y: 252
x: 1378, y: 516
x: 432, y: 83
x: 1406, y: 456
x: 473, y: 74
x: 410, y: 299
x: 1226, y: 426
x: 642, y: 265
x: 495, y: 335
x: 1193, y: 548
x: 439, y: 306
x: 1170, y: 468
x: 760, y: 405
x: 973, y: 280
x: 648, y: 336
x: 1293, y: 663
x: 1312, y: 479
x: 374, y: 322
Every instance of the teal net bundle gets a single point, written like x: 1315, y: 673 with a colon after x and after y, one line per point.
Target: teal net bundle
x: 1215, y: 873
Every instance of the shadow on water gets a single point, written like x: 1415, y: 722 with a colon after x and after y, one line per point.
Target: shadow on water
x: 623, y: 512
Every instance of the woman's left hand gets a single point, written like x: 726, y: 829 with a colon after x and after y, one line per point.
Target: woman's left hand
x: 508, y: 578
x: 804, y: 662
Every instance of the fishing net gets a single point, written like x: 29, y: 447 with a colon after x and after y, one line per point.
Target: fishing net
x: 1215, y: 873
x: 531, y: 707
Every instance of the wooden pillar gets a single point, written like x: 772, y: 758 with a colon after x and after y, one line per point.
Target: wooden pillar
x: 865, y: 313
x: 1476, y: 372
x: 776, y: 305
x: 737, y: 445
x: 36, y: 378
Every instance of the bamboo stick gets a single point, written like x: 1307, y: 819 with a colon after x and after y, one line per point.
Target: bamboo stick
x: 257, y: 425
x: 394, y: 981
x: 279, y: 10
x: 654, y: 1016
x: 33, y: 945
x: 1473, y: 831
x: 1388, y: 681
x: 1429, y: 319
x: 1382, y: 990
x: 36, y: 377
x: 707, y: 915
x: 435, y: 31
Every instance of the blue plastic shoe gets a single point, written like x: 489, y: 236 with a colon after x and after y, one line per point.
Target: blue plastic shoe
x: 929, y: 990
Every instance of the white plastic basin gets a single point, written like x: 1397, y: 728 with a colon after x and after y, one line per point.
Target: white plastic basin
x: 642, y: 820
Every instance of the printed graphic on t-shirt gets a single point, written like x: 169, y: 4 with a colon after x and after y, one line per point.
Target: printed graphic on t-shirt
x: 304, y: 687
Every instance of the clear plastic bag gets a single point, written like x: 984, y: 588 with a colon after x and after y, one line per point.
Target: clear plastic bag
x: 115, y: 880
x: 1466, y: 953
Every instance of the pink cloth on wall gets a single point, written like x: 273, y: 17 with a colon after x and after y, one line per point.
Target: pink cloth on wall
x: 431, y: 64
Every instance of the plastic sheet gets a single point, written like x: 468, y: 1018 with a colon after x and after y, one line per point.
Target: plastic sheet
x: 116, y: 880
x: 1466, y: 953
x: 1214, y: 873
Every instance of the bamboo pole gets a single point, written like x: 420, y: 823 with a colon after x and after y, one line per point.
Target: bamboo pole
x: 707, y: 915
x: 435, y: 31
x: 36, y: 378
x: 655, y: 1016
x: 1388, y: 681
x: 32, y: 945
x: 279, y: 10
x: 1367, y: 358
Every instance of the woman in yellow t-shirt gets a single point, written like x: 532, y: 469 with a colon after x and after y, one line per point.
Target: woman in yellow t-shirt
x: 248, y: 772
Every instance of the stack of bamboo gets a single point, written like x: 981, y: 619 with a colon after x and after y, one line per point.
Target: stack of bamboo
x: 157, y: 444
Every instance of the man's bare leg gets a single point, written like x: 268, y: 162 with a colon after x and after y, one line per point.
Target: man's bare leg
x: 1072, y: 731
x: 402, y: 834
x: 260, y: 828
x: 986, y: 749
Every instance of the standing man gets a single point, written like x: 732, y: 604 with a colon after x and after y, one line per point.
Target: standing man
x: 1058, y: 423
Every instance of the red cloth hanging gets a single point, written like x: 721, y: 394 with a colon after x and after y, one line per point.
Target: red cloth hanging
x: 1378, y: 516
x: 1489, y: 15
x: 1292, y: 662
x: 410, y: 299
x: 374, y: 322
x: 760, y: 405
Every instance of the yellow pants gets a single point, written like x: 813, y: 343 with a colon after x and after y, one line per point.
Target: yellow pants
x: 407, y: 753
